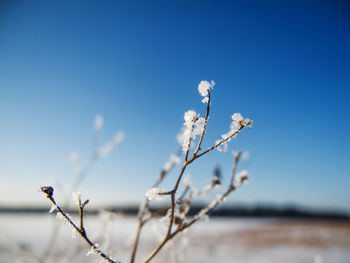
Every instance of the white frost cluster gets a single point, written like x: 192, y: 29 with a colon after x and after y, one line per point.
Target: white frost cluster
x: 193, y: 126
x: 76, y: 196
x: 203, y: 214
x: 237, y: 123
x: 98, y: 122
x: 240, y: 178
x: 109, y: 146
x: 203, y: 87
x: 93, y: 250
x: 154, y: 193
x: 174, y: 160
x: 53, y: 208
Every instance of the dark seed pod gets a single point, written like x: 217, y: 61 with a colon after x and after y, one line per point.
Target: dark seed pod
x: 47, y: 190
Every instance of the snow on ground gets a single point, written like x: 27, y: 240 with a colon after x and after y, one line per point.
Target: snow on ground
x: 219, y: 240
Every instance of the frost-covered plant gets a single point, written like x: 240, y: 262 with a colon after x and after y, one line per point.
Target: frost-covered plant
x: 80, y: 173
x: 175, y: 215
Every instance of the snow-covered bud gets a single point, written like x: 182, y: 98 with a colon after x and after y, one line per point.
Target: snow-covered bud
x: 204, y: 87
x: 241, y: 178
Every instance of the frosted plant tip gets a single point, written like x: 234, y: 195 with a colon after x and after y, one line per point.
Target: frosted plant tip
x: 155, y: 193
x: 76, y: 196
x: 204, y: 86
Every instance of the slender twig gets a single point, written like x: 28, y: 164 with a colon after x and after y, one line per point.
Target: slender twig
x: 143, y: 208
x: 205, y: 211
x: 187, y: 161
x: 48, y: 190
x: 234, y: 168
x: 204, y: 127
x: 218, y: 144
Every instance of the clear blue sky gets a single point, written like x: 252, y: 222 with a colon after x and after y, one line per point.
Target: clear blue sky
x: 284, y: 64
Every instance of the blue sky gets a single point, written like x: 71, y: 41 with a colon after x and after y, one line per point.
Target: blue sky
x: 284, y: 64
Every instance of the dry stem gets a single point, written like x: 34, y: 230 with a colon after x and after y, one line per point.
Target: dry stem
x: 169, y: 235
x: 48, y: 190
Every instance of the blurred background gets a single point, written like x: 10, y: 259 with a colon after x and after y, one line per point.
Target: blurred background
x: 137, y: 65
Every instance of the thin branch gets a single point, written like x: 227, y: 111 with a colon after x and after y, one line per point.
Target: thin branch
x: 48, y: 190
x: 218, y: 144
x: 143, y: 208
x: 204, y: 127
x: 234, y: 168
x: 206, y: 210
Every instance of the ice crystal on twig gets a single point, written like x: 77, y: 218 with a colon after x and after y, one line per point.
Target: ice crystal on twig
x: 76, y: 196
x: 174, y: 160
x: 155, y: 193
x: 109, y: 146
x: 240, y: 178
x: 53, y: 208
x: 193, y: 126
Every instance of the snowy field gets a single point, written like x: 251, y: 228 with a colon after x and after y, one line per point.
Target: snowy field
x: 23, y: 237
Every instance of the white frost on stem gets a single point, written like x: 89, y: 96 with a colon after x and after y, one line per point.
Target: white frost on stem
x: 203, y: 89
x: 109, y: 146
x: 76, y: 196
x: 174, y: 160
x: 154, y: 193
x: 193, y: 126
x: 237, y: 123
x: 241, y: 178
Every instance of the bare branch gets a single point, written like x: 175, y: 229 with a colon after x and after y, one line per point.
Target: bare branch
x: 48, y: 190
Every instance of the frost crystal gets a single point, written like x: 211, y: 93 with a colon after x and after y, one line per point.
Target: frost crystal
x: 240, y: 178
x: 76, y: 197
x: 98, y: 122
x: 53, y: 208
x: 205, y: 100
x: 174, y: 160
x: 189, y: 117
x: 204, y: 87
x: 193, y: 126
x: 238, y: 122
x: 154, y: 193
x: 92, y: 250
x: 109, y: 146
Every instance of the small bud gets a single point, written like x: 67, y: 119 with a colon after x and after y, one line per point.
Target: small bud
x: 178, y: 220
x: 216, y: 179
x: 47, y: 190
